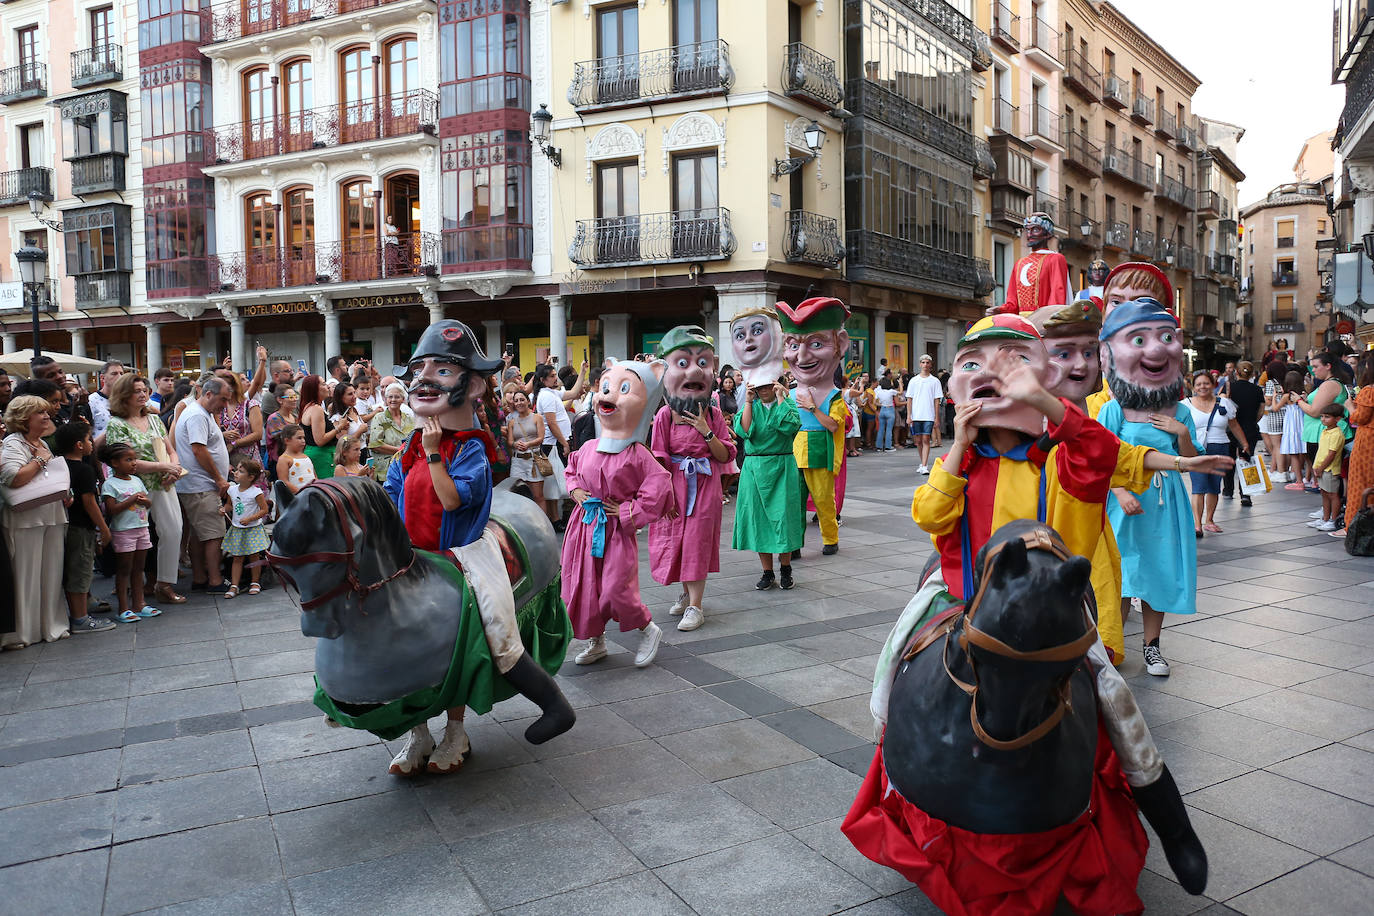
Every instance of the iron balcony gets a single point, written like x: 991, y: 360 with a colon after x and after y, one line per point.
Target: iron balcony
x: 1166, y: 126
x: 809, y: 74
x: 399, y: 115
x: 1114, y: 93
x: 108, y: 289
x: 413, y: 254
x: 16, y: 186
x: 811, y: 238
x: 1074, y: 223
x: 102, y: 172
x: 1082, y: 153
x: 100, y: 64
x: 1285, y: 278
x: 1006, y: 28
x: 240, y: 18
x: 1143, y: 111
x: 1081, y: 76
x: 1143, y: 243
x: 1117, y: 236
x: 682, y: 71
x: 984, y: 163
x: 653, y: 238
x: 24, y: 82
x: 1044, y: 43
x: 1048, y: 204
x: 1186, y: 138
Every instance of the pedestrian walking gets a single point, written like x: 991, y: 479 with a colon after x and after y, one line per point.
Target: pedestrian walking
x: 768, y: 514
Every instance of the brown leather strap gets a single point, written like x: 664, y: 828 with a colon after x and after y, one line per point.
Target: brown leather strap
x: 1030, y: 737
x: 939, y: 626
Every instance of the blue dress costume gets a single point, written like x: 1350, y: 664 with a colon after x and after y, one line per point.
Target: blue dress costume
x: 1158, y: 547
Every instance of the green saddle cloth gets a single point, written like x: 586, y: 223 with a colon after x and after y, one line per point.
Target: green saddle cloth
x: 472, y: 678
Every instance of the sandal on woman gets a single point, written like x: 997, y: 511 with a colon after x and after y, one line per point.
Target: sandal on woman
x: 254, y: 588
x: 149, y: 611
x: 167, y: 595
x: 128, y: 617
x: 1212, y: 528
x: 233, y: 592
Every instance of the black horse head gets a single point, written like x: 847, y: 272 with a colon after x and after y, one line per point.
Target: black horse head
x: 366, y: 541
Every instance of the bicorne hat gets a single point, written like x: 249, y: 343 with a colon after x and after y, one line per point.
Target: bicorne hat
x: 456, y: 343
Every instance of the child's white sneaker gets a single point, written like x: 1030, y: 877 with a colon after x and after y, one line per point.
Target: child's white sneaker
x: 594, y: 652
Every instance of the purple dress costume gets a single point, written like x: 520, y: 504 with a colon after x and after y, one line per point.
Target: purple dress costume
x: 600, y: 589
x: 687, y: 548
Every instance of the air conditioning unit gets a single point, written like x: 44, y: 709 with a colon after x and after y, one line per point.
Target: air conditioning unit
x: 1111, y: 162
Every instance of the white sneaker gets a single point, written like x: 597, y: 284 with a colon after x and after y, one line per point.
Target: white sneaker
x: 1317, y: 514
x: 1324, y: 526
x: 679, y: 605
x: 691, y: 619
x: 1315, y: 523
x: 649, y: 639
x: 448, y: 756
x: 419, y: 745
x: 594, y: 652
x: 923, y: 470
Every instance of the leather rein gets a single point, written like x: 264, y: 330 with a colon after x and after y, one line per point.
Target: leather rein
x: 1038, y: 539
x: 347, y: 510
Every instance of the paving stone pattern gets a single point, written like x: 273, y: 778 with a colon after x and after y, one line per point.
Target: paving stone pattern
x: 176, y: 765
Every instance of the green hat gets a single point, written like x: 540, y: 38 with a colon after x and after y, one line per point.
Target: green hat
x: 685, y: 335
x: 821, y: 313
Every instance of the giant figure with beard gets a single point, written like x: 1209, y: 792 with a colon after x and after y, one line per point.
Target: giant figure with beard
x: 441, y: 484
x: 1144, y: 353
x: 693, y: 441
x: 1041, y: 277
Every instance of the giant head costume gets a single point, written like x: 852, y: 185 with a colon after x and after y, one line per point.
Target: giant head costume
x: 447, y: 372
x: 690, y: 354
x: 1037, y: 230
x: 756, y: 341
x: 624, y: 403
x: 814, y: 341
x: 1097, y: 273
x: 1144, y: 357
x: 975, y: 371
x: 1070, y: 333
x: 1135, y: 280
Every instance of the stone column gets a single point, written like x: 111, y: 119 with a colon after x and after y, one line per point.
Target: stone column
x: 209, y: 346
x: 236, y: 343
x: 9, y: 343
x: 154, y: 335
x: 493, y: 342
x: 333, y: 339
x: 430, y: 297
x: 558, y: 329
x: 733, y: 298
x: 615, y: 335
x: 78, y: 341
x: 879, y: 338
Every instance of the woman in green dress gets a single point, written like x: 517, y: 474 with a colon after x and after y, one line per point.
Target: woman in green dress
x: 388, y: 430
x: 768, y: 510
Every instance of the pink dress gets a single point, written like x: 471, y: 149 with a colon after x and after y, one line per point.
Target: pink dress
x: 600, y: 589
x: 687, y: 548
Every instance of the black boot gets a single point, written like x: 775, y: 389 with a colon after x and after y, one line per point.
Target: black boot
x: 1162, y: 806
x: 535, y: 683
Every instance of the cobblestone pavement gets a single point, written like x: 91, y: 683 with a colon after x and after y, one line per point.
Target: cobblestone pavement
x: 178, y: 763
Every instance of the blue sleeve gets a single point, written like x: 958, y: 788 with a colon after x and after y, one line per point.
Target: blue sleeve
x: 1110, y: 417
x: 471, y: 474
x: 1185, y: 416
x: 395, y: 477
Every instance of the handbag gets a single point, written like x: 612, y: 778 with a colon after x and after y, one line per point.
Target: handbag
x: 49, y: 485
x: 542, y: 465
x: 1359, y: 534
x: 1253, y: 475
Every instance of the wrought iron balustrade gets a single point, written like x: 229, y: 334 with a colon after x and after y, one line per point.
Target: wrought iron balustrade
x: 1186, y: 138
x: 16, y: 186
x: 984, y: 163
x: 111, y: 289
x: 1164, y: 252
x: 1208, y: 202
x: 1143, y: 110
x: 26, y: 81
x: 1048, y: 204
x: 1187, y: 257
x: 240, y: 18
x: 411, y: 254
x: 696, y: 69
x: 653, y: 238
x: 1143, y: 243
x: 808, y: 72
x: 1047, y: 124
x: 100, y: 64
x: 1118, y: 162
x: 391, y: 116
x: 1006, y: 117
x: 1117, y: 235
x: 984, y: 280
x: 91, y: 174
x: 811, y: 238
x: 1081, y: 76
x: 982, y: 50
x: 1143, y: 173
x: 1044, y: 38
x: 1006, y: 28
x: 1081, y: 152
x: 1074, y: 223
x: 1166, y: 125
x: 910, y: 262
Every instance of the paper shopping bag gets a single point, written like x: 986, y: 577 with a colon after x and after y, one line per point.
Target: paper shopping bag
x: 1253, y: 476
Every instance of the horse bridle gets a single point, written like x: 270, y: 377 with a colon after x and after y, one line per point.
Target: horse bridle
x: 347, y: 509
x: 1037, y: 539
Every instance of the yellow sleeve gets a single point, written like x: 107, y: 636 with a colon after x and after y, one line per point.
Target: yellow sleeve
x: 938, y: 504
x: 1130, y: 468
x: 839, y: 412
x: 1098, y: 398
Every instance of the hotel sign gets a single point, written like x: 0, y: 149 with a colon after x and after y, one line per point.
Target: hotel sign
x: 373, y: 302
x: 278, y: 308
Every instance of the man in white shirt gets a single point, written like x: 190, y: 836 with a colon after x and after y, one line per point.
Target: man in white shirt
x: 202, y: 452
x: 100, y: 401
x: 923, y: 394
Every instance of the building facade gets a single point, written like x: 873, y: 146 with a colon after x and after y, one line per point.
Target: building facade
x: 1213, y: 323
x: 1282, y: 284
x: 1350, y: 190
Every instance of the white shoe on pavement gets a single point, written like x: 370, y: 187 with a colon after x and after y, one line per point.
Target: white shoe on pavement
x: 594, y: 652
x: 1317, y: 514
x: 691, y: 619
x: 679, y: 605
x: 1154, y: 662
x: 419, y: 745
x: 448, y: 756
x: 923, y: 470
x: 1315, y: 523
x: 649, y: 639
x: 1327, y: 526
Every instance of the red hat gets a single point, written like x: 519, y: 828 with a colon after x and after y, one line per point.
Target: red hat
x: 820, y: 313
x: 1167, y: 299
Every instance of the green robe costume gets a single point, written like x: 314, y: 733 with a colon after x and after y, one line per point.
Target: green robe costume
x: 768, y: 510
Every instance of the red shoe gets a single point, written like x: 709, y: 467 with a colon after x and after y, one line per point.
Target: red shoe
x: 1295, y: 485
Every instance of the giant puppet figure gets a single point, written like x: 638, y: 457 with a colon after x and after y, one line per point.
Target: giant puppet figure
x: 999, y: 801
x: 1127, y: 282
x: 756, y: 340
x: 1097, y: 281
x: 693, y: 441
x: 619, y: 487
x: 814, y: 343
x: 1041, y: 277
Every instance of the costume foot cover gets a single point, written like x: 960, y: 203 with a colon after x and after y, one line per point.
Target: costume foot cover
x: 1162, y: 806
x: 448, y: 756
x: 534, y: 683
x: 419, y: 745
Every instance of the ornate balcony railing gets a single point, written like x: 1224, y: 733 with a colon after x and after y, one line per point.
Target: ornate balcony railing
x: 100, y: 64
x: 1006, y: 28
x: 1082, y: 153
x: 809, y: 73
x: 26, y: 81
x: 1006, y: 117
x: 653, y: 238
x: 982, y: 50
x: 811, y: 238
x: 1115, y: 93
x: 984, y: 163
x: 1046, y: 124
x: 1285, y: 278
x: 984, y: 280
x: 908, y: 263
x: 240, y: 18
x: 110, y: 289
x: 1081, y: 76
x: 1117, y: 235
x: 1166, y: 125
x: 1172, y: 189
x: 680, y: 71
x: 391, y: 116
x: 91, y: 174
x: 411, y: 254
x: 1143, y: 111
x: 16, y: 186
x: 1143, y: 243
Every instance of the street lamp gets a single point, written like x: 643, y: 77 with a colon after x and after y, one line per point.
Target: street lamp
x: 541, y: 127
x: 815, y: 139
x: 37, y: 204
x: 33, y: 272
x: 1368, y: 239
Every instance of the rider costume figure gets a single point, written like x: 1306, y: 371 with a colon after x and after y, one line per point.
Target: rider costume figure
x: 441, y: 485
x: 814, y: 343
x: 692, y: 439
x: 1021, y: 453
x: 1040, y: 278
x: 1097, y: 281
x: 619, y: 487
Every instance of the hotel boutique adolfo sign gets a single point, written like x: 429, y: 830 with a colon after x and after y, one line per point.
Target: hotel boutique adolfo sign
x: 306, y: 306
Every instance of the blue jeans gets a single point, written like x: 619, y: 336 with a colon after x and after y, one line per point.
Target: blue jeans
x: 887, y: 416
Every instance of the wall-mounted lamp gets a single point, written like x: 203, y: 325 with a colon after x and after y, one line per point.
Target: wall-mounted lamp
x: 694, y: 271
x: 1086, y: 228
x: 541, y: 127
x: 815, y: 139
x: 37, y: 204
x: 1368, y: 240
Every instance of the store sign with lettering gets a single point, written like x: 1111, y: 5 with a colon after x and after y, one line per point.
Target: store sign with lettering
x: 278, y: 308
x: 12, y: 296
x: 373, y: 302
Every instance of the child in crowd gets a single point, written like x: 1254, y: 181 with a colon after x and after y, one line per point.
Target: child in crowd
x: 1291, y: 444
x: 294, y: 467
x: 126, y: 504
x: 1330, y: 451
x: 247, y: 537
x: 87, y: 533
x: 349, y: 460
